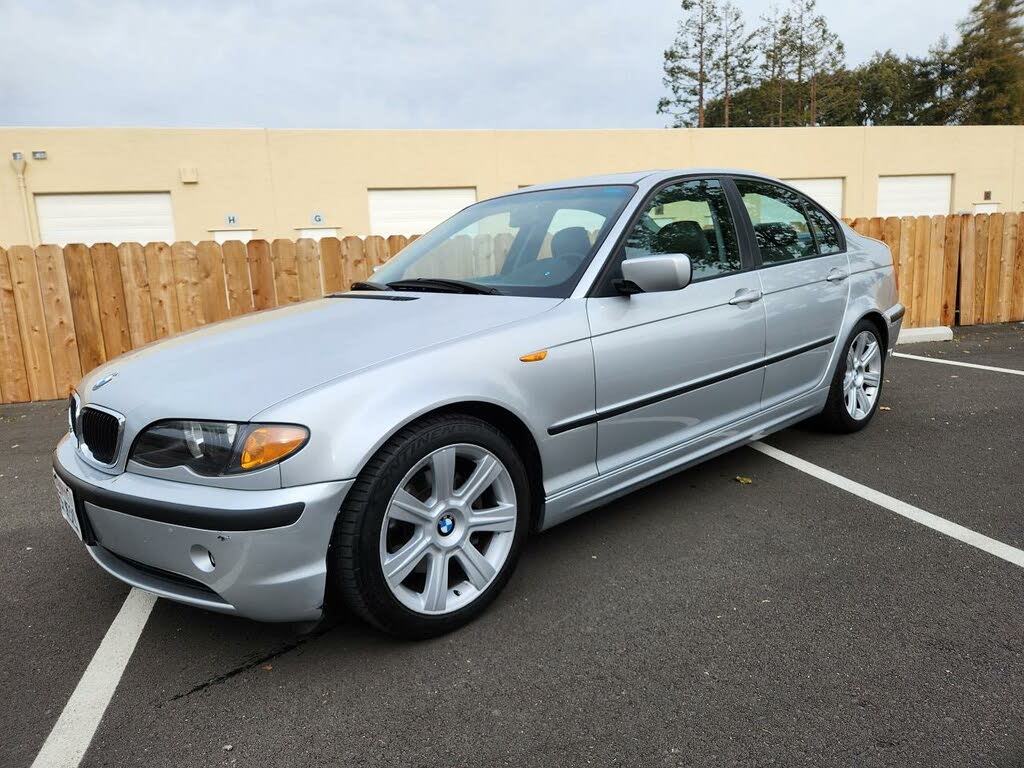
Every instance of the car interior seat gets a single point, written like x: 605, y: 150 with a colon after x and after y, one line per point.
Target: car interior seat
x: 685, y: 237
x: 572, y: 244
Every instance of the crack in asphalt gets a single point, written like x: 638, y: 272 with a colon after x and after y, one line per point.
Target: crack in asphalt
x: 281, y: 650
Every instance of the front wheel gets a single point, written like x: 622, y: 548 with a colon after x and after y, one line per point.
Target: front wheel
x: 432, y: 528
x: 857, y: 383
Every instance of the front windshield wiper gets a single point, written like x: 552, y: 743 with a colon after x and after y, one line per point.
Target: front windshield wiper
x: 363, y: 285
x: 444, y: 284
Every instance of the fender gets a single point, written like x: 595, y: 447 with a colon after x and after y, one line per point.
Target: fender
x: 351, y: 418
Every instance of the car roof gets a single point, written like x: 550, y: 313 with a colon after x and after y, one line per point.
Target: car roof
x: 649, y: 177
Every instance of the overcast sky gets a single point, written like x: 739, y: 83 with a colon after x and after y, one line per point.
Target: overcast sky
x: 383, y: 64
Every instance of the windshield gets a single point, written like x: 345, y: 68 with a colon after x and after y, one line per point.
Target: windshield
x: 528, y: 244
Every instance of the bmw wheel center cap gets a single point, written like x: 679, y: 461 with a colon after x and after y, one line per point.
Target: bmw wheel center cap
x: 446, y: 525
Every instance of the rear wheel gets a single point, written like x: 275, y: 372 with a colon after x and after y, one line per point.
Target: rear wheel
x: 432, y: 528
x: 857, y: 383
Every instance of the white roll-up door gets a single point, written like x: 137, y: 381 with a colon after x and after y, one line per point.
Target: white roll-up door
x: 318, y: 233
x: 100, y: 217
x: 827, y: 193
x: 914, y: 195
x: 224, y: 235
x: 415, y: 211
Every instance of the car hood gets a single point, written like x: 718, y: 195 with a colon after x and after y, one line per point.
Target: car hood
x: 234, y: 369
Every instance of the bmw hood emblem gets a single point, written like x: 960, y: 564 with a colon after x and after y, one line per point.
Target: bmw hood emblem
x: 446, y: 525
x: 105, y: 380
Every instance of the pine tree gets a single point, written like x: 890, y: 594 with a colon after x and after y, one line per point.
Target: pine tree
x: 732, y: 64
x: 817, y: 53
x: 688, y: 64
x: 933, y: 78
x: 776, y: 58
x: 989, y: 86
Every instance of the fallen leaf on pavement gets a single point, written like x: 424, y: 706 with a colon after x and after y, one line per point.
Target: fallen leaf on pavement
x: 743, y: 480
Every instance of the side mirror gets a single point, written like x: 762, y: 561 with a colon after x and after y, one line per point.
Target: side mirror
x: 653, y: 274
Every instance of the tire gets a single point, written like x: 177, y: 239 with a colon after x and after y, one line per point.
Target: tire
x: 400, y: 504
x: 852, y: 373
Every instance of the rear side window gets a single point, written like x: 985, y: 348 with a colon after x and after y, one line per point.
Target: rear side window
x: 781, y: 228
x: 824, y: 230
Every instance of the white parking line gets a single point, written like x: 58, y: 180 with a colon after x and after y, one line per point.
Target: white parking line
x: 936, y: 523
x: 957, y: 362
x: 70, y: 737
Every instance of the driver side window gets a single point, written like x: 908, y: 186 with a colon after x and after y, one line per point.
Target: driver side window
x: 690, y: 217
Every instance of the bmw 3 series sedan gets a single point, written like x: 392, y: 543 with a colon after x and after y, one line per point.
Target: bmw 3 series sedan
x: 389, y: 450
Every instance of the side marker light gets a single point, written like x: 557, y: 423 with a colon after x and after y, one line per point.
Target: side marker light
x: 534, y: 357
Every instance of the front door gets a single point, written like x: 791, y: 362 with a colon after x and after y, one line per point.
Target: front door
x: 804, y: 275
x: 674, y: 365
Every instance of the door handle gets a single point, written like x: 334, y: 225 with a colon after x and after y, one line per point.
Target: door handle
x: 745, y: 296
x: 837, y: 275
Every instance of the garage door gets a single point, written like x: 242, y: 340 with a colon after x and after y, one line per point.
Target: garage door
x: 826, y: 192
x: 415, y: 211
x: 132, y: 217
x: 914, y: 195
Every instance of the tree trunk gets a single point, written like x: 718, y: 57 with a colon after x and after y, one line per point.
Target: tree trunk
x: 814, y: 99
x: 701, y: 68
x: 726, y: 69
x: 725, y: 103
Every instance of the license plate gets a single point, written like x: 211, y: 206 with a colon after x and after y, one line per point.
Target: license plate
x: 66, y: 498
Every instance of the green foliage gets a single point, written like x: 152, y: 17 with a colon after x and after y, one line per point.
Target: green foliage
x: 688, y: 63
x: 732, y: 63
x: 790, y: 71
x: 990, y: 59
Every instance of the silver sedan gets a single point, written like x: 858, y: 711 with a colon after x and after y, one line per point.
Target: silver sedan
x: 388, y: 450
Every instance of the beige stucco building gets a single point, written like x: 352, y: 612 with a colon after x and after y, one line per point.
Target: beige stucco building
x: 193, y: 184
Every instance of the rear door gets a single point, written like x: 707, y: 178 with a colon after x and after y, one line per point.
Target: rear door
x: 804, y: 274
x: 673, y: 365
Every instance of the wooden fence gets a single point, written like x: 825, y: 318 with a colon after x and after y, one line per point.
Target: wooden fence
x: 962, y: 269
x: 63, y: 311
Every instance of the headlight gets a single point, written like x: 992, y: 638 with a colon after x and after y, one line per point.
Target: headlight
x: 72, y: 411
x: 212, y: 448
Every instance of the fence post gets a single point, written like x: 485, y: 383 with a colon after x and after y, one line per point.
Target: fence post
x: 213, y: 289
x: 1004, y: 289
x: 333, y: 270
x: 137, y: 296
x: 353, y: 260
x: 13, y: 376
x: 261, y: 271
x: 236, y: 273
x: 950, y: 269
x: 286, y: 271
x: 307, y: 258
x: 993, y: 267
x: 1017, y: 301
x: 60, y: 324
x: 28, y: 303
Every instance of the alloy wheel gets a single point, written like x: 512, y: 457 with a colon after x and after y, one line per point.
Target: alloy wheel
x: 863, y: 375
x: 448, y: 529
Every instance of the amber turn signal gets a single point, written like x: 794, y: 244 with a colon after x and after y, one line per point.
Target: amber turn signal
x: 534, y: 357
x: 265, y: 445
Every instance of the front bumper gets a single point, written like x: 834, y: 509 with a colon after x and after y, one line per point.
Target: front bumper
x: 267, y: 549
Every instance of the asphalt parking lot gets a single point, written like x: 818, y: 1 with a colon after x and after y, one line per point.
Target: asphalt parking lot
x: 700, y: 621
